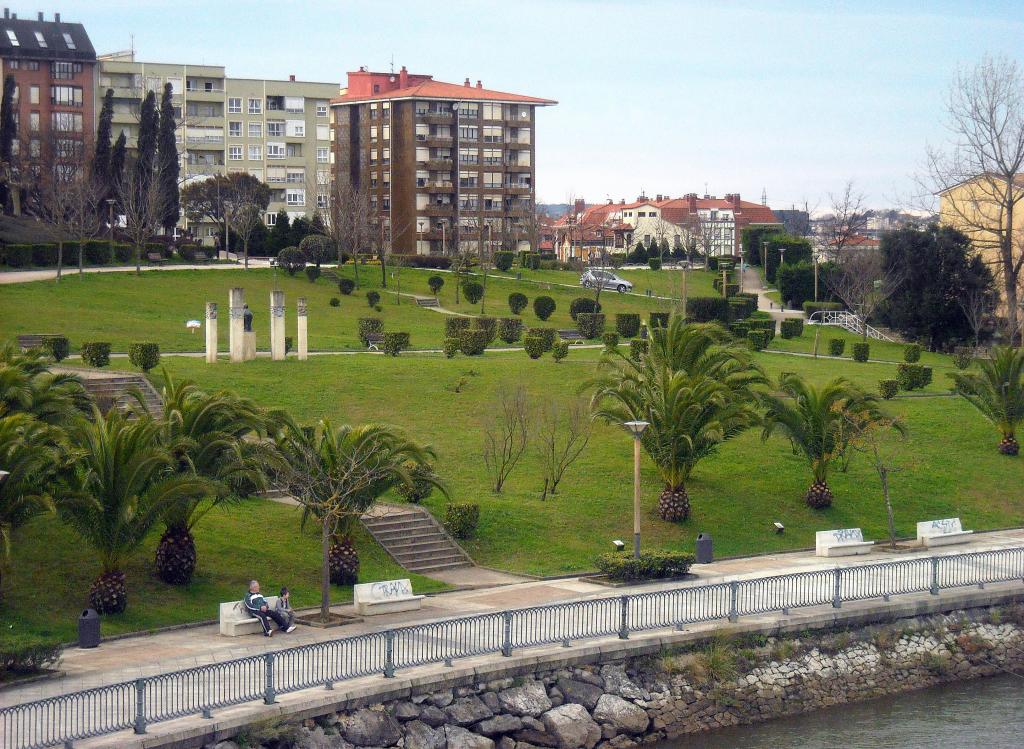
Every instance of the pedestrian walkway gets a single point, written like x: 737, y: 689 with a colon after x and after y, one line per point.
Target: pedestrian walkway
x: 26, y: 276
x: 752, y: 283
x: 133, y: 657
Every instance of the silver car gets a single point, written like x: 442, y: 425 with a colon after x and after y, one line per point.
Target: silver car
x: 605, y: 279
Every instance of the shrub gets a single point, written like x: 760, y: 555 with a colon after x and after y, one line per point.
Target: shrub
x: 530, y: 260
x: 560, y: 350
x: 658, y: 319
x: 187, y: 252
x: 421, y: 486
x: 582, y: 304
x: 543, y: 307
x: 962, y: 358
x: 473, y: 342
x: 369, y: 325
x: 435, y: 283
x: 292, y: 260
x: 741, y: 307
x: 98, y: 253
x: 451, y: 347
x: 534, y: 346
x: 288, y: 344
x: 707, y: 309
x: 912, y: 353
x: 394, y: 343
x: 910, y: 376
x: 473, y: 291
x: 638, y: 348
x: 654, y: 263
x: 836, y: 346
x: 18, y: 255
x: 503, y: 261
x: 461, y: 520
x: 740, y: 329
x: 510, y: 329
x: 455, y: 325
x: 517, y: 302
x: 758, y: 339
x: 144, y: 354
x: 888, y: 388
x: 652, y: 565
x: 488, y: 325
x: 44, y: 254
x: 590, y: 324
x: 96, y: 353
x: 23, y: 655
x: 57, y: 346
x: 795, y: 282
x: 372, y: 298
x: 436, y: 262
x: 123, y: 253
x: 335, y: 302
x: 627, y: 324
x: 313, y: 273
x: 611, y: 342
x: 811, y: 307
x: 791, y: 328
x: 346, y: 286
x: 926, y: 376
x: 548, y: 335
x: 861, y: 351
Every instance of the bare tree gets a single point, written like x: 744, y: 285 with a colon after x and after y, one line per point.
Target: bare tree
x: 863, y: 280
x: 505, y: 436
x: 345, y: 215
x: 245, y: 198
x: 977, y: 304
x: 141, y: 203
x: 563, y: 433
x: 872, y: 438
x: 68, y: 195
x: 846, y: 221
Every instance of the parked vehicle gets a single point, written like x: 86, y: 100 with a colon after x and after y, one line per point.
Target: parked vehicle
x: 605, y: 279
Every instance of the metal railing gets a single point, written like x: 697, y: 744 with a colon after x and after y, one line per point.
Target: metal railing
x: 847, y: 321
x: 200, y: 690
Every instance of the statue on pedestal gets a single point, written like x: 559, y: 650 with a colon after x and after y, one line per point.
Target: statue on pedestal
x: 246, y: 318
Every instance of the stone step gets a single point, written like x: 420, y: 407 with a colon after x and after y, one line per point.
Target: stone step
x: 437, y: 543
x: 428, y: 568
x: 396, y: 526
x: 427, y: 559
x: 416, y: 541
x: 407, y: 534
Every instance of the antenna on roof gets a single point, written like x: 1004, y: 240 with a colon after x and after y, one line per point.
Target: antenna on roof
x: 764, y: 196
x: 392, y: 63
x: 132, y: 46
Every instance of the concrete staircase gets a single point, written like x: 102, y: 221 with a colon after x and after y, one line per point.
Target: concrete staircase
x: 115, y: 390
x: 415, y: 539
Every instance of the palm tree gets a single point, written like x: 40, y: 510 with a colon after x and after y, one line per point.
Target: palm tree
x: 997, y: 390
x: 122, y: 478
x: 30, y: 457
x: 819, y: 422
x: 694, y: 387
x: 26, y: 386
x: 337, y: 475
x: 215, y: 437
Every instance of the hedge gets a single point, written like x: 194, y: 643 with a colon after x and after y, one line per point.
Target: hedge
x: 369, y: 325
x: 123, y: 253
x: 451, y: 347
x: 758, y: 339
x: 487, y: 324
x: 590, y: 324
x: 24, y: 655
x: 96, y: 353
x: 503, y: 261
x: 714, y: 260
x: 144, y: 354
x: 707, y: 309
x: 861, y: 351
x: 473, y: 342
x: 912, y: 353
x: 394, y: 343
x: 913, y: 376
x: 962, y: 358
x: 740, y: 329
x: 517, y: 302
x: 548, y: 335
x: 56, y: 346
x: 658, y: 320
x: 740, y: 307
x: 794, y: 249
x: 611, y: 342
x: 18, y: 255
x: 654, y: 263
x: 534, y: 346
x: 627, y: 324
x: 543, y: 307
x: 98, y: 252
x: 753, y: 238
x: 510, y: 329
x: 313, y: 273
x: 560, y: 350
x: 582, y: 304
x: 791, y: 327
x: 836, y: 346
x: 455, y: 325
x: 652, y: 565
x: 461, y: 520
x: 637, y: 348
x: 437, y: 262
x: 888, y: 388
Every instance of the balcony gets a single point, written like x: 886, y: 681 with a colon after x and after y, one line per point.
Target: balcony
x: 518, y: 121
x: 203, y: 170
x: 435, y: 118
x: 515, y: 167
x: 201, y: 94
x: 517, y: 189
x: 134, y: 93
x: 205, y: 141
x: 445, y: 164
x: 519, y: 212
x: 438, y: 141
x: 442, y: 187
x: 517, y: 143
x: 438, y: 210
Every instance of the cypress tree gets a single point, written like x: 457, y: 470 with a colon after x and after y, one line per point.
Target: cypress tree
x: 8, y: 132
x: 149, y: 123
x: 101, y: 160
x: 280, y: 234
x: 118, y: 155
x: 168, y: 165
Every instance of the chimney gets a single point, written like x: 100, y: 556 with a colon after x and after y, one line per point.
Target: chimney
x: 466, y: 84
x: 609, y: 201
x: 41, y: 15
x: 56, y: 17
x: 479, y: 84
x: 403, y: 78
x: 7, y: 13
x: 580, y: 206
x: 291, y: 78
x: 734, y: 199
x: 622, y: 201
x: 691, y: 201
x: 14, y: 16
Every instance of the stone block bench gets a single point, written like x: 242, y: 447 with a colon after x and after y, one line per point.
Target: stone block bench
x: 156, y: 258
x: 843, y: 542
x: 235, y: 619
x: 386, y: 597
x: 32, y: 340
x: 373, y: 341
x: 942, y: 532
x: 571, y: 336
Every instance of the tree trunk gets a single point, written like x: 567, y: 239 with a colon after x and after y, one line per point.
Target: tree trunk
x: 883, y: 474
x: 245, y: 251
x: 383, y: 270
x: 60, y: 259
x: 81, y: 258
x: 138, y: 260
x: 355, y: 265
x: 325, y: 573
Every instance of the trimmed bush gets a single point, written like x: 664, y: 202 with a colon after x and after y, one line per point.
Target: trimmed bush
x: 437, y: 262
x: 510, y: 329
x: 611, y: 342
x: 590, y: 324
x: 707, y: 309
x: 658, y: 320
x: 740, y: 329
x: 422, y: 485
x: 394, y: 343
x: 534, y: 346
x: 517, y: 302
x: 288, y: 344
x: 888, y: 388
x: 24, y: 655
x: 836, y: 346
x: 638, y: 347
x: 741, y: 307
x: 911, y: 376
x: 926, y: 376
x: 335, y: 302
x: 861, y: 351
x: 451, y: 347
x: 369, y: 325
x: 962, y: 358
x: 472, y: 342
x: 543, y: 307
x: 123, y: 253
x: 18, y: 255
x: 56, y: 346
x: 560, y: 350
x: 652, y: 565
x: 489, y: 325
x: 455, y: 325
x: 811, y: 307
x: 44, y: 254
x: 582, y: 304
x: 292, y: 260
x: 503, y: 261
x: 548, y: 335
x: 758, y: 339
x: 372, y: 298
x: 98, y: 253
x: 473, y: 291
x: 912, y: 353
x: 627, y: 324
x: 187, y: 252
x: 96, y: 353
x: 346, y: 286
x: 435, y: 283
x: 144, y: 354
x: 791, y: 327
x: 654, y: 263
x: 461, y: 520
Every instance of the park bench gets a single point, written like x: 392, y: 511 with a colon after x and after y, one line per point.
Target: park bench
x: 235, y: 619
x: 942, y: 532
x: 201, y: 256
x: 156, y: 257
x: 32, y: 340
x: 373, y: 341
x: 385, y: 597
x: 842, y: 542
x: 426, y: 301
x: 573, y: 336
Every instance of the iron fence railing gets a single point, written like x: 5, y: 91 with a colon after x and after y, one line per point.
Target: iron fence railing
x: 200, y: 690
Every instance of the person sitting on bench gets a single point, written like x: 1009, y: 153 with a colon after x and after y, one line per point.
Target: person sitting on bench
x: 284, y: 607
x: 257, y: 606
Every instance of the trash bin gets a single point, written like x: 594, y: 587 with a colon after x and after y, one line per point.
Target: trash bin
x: 89, y: 629
x: 705, y: 555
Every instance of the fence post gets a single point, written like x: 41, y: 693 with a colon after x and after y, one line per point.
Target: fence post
x: 140, y: 706
x: 624, y: 618
x: 734, y: 594
x: 269, y: 697
x: 506, y: 634
x: 934, y: 588
x: 837, y: 593
x: 389, y: 654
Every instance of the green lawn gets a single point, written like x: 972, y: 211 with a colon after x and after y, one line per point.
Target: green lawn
x: 880, y: 350
x: 665, y: 282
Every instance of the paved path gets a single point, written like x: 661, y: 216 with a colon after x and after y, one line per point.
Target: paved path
x: 25, y: 276
x: 752, y: 283
x: 128, y: 658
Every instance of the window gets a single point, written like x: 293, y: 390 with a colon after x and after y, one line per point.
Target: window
x: 321, y: 200
x: 295, y: 196
x: 69, y: 41
x: 271, y: 219
x: 469, y: 156
x: 65, y: 122
x: 323, y: 132
x: 255, y: 129
x: 492, y: 156
x: 13, y: 64
x: 275, y: 150
x: 492, y: 134
x: 492, y: 111
x: 40, y: 39
x: 469, y: 109
x: 33, y: 148
x: 295, y: 129
x: 65, y: 71
x: 33, y: 121
x: 68, y: 96
x: 467, y: 179
x: 257, y: 173
x: 235, y: 129
x: 175, y: 85
x: 469, y: 132
x: 321, y: 109
x: 492, y: 179
x: 385, y: 156
x: 234, y: 105
x: 235, y: 153
x: 295, y: 175
x: 32, y: 65
x: 33, y: 95
x: 385, y: 132
x: 293, y: 149
x: 373, y: 155
x: 322, y: 155
x: 13, y: 38
x: 275, y: 128
x: 255, y: 106
x: 294, y: 104
x: 276, y: 174
x: 255, y: 152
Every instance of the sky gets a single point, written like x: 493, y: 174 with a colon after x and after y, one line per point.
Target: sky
x: 793, y: 98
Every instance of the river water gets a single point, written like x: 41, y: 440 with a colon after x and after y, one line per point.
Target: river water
x: 980, y: 714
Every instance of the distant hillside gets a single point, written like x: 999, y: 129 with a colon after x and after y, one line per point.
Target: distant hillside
x: 553, y: 209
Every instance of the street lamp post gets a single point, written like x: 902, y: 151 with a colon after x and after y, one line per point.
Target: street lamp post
x: 110, y: 223
x: 636, y: 428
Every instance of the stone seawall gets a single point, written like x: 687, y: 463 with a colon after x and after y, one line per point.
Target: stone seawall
x: 616, y: 703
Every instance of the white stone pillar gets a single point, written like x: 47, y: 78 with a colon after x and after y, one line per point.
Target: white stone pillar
x: 277, y: 325
x: 236, y: 333
x: 211, y: 332
x: 302, y: 333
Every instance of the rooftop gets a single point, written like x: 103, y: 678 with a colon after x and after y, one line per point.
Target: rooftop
x: 21, y: 38
x: 364, y: 85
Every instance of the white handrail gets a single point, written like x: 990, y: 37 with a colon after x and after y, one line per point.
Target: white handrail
x: 848, y: 321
